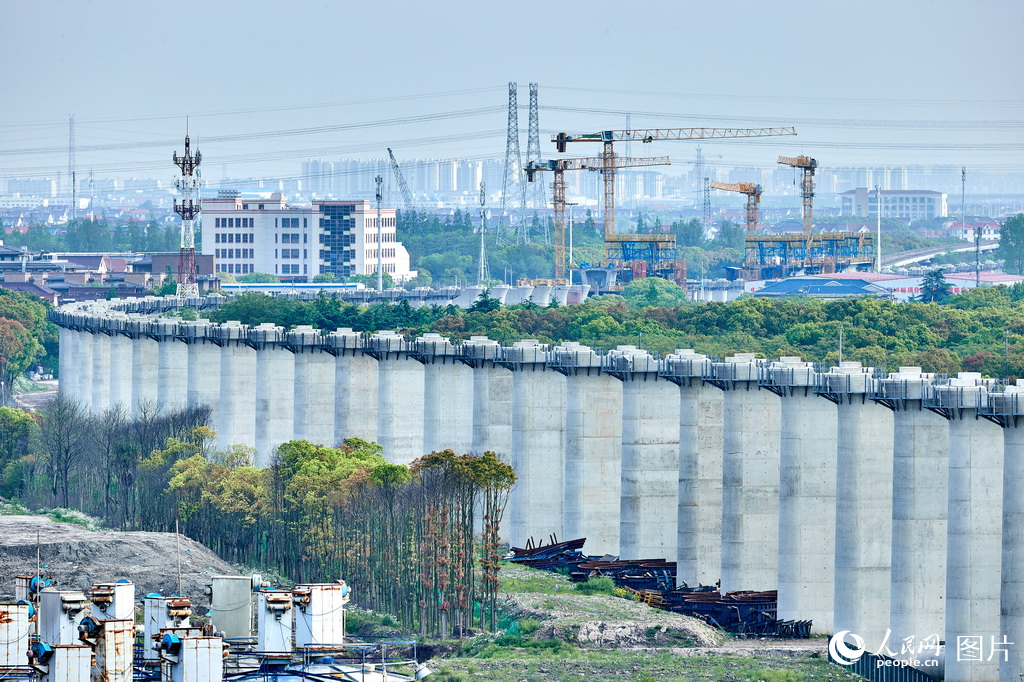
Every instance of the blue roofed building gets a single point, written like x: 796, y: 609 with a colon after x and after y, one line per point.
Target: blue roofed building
x: 823, y: 288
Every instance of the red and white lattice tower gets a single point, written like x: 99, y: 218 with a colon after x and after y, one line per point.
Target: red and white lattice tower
x: 188, y: 209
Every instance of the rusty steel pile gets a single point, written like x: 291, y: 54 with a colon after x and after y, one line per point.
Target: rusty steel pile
x: 653, y: 581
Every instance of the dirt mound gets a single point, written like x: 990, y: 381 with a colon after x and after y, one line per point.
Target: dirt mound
x: 605, y: 621
x: 76, y: 558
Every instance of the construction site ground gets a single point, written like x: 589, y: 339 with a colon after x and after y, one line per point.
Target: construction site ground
x: 559, y: 633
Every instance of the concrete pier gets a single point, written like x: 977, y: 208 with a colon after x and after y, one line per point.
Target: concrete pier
x: 538, y: 444
x: 172, y: 366
x: 100, y: 393
x: 699, y: 518
x: 275, y: 413
x: 447, y: 396
x: 237, y: 387
x: 203, y: 368
x: 650, y: 456
x: 807, y: 495
x: 144, y: 366
x: 1008, y: 408
x: 399, y: 397
x: 314, y: 386
x: 863, y: 503
x: 919, y: 475
x: 750, y: 476
x: 593, y: 448
x: 492, y: 398
x: 355, y: 387
x: 974, y: 528
x: 84, y: 351
x: 120, y: 368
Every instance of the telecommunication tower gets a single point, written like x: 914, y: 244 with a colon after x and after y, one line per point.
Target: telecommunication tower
x: 535, y: 194
x: 512, y: 184
x: 483, y: 274
x: 188, y: 209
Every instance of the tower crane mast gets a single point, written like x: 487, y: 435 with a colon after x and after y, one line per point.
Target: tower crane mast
x: 807, y: 165
x: 753, y: 192
x: 406, y: 194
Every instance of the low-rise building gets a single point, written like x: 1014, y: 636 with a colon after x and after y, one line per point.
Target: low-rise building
x: 297, y: 243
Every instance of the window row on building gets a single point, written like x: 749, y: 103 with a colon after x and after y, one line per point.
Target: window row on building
x: 233, y: 238
x: 233, y: 253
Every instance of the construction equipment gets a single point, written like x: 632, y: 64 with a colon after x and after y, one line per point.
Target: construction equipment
x: 601, y: 163
x: 753, y: 192
x: 807, y: 164
x: 609, y: 137
x: 406, y: 194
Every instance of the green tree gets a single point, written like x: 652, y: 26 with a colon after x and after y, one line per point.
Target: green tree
x: 1011, y: 244
x: 370, y: 281
x: 325, y: 278
x: 689, y: 232
x: 731, y: 235
x: 934, y: 288
x: 259, y: 278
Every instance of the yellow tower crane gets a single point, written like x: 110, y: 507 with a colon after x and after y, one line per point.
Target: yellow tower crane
x: 807, y: 165
x: 558, y: 167
x: 609, y: 137
x: 753, y: 192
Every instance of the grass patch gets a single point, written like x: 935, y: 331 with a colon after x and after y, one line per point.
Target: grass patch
x: 58, y: 514
x: 519, y: 579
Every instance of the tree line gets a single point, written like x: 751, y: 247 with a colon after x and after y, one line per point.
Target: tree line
x: 98, y: 236
x: 979, y: 330
x: 403, y: 536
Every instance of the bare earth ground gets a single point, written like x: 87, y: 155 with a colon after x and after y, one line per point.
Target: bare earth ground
x: 76, y: 558
x: 38, y: 400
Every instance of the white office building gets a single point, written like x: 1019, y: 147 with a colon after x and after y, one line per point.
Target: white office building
x: 297, y: 243
x: 903, y: 204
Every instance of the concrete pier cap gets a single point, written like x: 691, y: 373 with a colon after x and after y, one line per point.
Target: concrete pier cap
x: 434, y: 344
x: 849, y: 377
x: 527, y: 351
x: 571, y: 354
x: 481, y: 348
x: 343, y: 338
x: 632, y: 360
x: 738, y: 367
x: 232, y: 330
x: 791, y: 370
x: 303, y: 338
x: 387, y: 340
x: 266, y: 333
x: 686, y: 362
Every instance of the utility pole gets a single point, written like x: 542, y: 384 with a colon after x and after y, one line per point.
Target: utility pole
x: 380, y: 259
x: 878, y: 238
x: 977, y: 230
x: 482, y: 275
x: 71, y: 167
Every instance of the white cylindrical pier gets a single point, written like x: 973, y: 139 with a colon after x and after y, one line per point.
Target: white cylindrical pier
x: 172, y: 366
x: 447, y: 396
x: 920, y: 476
x: 275, y: 391
x: 649, y: 501
x: 974, y: 526
x: 203, y: 387
x: 84, y: 350
x: 144, y: 366
x: 120, y: 367
x: 355, y: 387
x: 863, y: 503
x: 750, y: 476
x: 492, y: 398
x: 593, y: 448
x: 807, y: 495
x: 314, y: 386
x: 1008, y: 408
x: 699, y: 519
x: 100, y: 397
x: 237, y: 386
x: 538, y: 444
x: 399, y: 398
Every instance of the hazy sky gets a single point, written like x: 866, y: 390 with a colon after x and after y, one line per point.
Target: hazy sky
x: 870, y: 82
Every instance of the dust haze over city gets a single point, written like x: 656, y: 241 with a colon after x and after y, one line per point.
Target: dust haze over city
x: 746, y: 403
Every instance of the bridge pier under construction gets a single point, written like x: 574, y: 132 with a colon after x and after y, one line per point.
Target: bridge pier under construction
x: 872, y: 502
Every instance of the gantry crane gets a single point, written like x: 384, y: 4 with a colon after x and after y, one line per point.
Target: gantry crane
x: 609, y: 137
x: 753, y: 192
x: 406, y: 194
x: 807, y: 164
x: 558, y: 167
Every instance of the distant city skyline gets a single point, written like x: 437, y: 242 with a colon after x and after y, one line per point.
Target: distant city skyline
x: 261, y: 89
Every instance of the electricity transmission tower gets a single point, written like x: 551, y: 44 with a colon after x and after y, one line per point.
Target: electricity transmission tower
x: 536, y: 197
x: 71, y: 168
x: 512, y: 184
